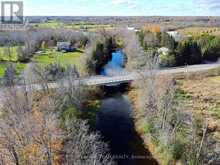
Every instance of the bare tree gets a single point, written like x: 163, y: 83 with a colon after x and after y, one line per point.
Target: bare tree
x: 71, y: 91
x: 26, y: 133
x: 133, y: 50
x: 85, y: 148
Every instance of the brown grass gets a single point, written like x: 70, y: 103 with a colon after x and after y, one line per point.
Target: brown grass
x: 195, y: 31
x: 204, y: 101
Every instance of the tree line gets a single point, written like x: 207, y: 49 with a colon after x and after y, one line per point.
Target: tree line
x: 189, y: 51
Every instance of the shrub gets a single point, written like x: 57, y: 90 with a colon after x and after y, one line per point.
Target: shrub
x: 177, y: 149
x: 69, y: 114
x: 54, y: 72
x: 23, y: 56
x: 168, y: 60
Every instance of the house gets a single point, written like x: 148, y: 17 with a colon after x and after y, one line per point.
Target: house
x: 65, y: 46
x: 132, y: 29
x: 176, y: 35
x: 163, y: 51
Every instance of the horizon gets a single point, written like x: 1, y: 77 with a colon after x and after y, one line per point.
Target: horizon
x: 121, y: 8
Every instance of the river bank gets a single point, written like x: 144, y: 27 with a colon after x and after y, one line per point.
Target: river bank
x: 116, y: 125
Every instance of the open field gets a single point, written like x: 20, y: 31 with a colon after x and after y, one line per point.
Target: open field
x: 4, y: 54
x: 195, y: 31
x: 50, y: 56
x: 10, y: 55
x: 77, y: 26
x: 202, y: 99
x: 19, y: 68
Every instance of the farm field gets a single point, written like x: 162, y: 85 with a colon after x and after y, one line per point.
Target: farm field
x: 78, y: 26
x: 196, y: 31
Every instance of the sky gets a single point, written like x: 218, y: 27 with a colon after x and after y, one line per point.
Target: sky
x: 121, y: 7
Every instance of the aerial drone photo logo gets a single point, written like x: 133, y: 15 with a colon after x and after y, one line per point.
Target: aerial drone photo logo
x: 12, y: 12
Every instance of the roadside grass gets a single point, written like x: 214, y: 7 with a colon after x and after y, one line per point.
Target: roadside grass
x: 50, y: 56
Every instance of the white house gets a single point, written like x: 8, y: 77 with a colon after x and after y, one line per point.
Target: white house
x: 131, y: 28
x: 175, y: 34
x: 163, y: 51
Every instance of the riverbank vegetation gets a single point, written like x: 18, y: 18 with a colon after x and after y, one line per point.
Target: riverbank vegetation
x: 176, y: 116
x: 99, y: 51
x: 50, y: 126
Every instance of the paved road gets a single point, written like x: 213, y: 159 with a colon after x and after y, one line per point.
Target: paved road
x: 104, y: 80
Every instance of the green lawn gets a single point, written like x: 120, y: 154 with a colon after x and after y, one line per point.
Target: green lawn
x: 19, y: 68
x: 50, y: 24
x: 4, y: 54
x: 64, y: 59
x: 5, y: 58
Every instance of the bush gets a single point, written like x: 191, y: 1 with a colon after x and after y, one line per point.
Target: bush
x: 168, y: 60
x: 23, y: 56
x: 147, y: 127
x: 68, y: 115
x: 54, y: 72
x: 177, y: 149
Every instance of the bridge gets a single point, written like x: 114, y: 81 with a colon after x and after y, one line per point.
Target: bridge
x: 128, y: 77
x: 125, y: 78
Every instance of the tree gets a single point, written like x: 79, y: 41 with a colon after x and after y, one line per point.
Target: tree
x: 71, y: 92
x: 22, y: 55
x: 7, y: 52
x: 168, y: 41
x: 28, y: 131
x: 133, y: 50
x: 10, y: 75
x: 188, y: 52
x: 83, y: 147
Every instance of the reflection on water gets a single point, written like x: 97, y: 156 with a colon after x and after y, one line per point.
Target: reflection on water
x: 116, y: 125
x: 116, y: 65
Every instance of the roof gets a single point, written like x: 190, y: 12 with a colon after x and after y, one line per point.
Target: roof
x: 63, y: 43
x: 163, y: 50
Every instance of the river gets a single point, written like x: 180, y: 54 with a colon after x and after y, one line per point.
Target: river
x: 115, y: 122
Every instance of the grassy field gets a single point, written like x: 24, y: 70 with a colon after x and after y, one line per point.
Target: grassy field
x: 50, y: 56
x: 56, y: 24
x: 195, y: 31
x: 5, y: 59
x: 201, y: 97
x: 4, y: 56
x: 19, y: 68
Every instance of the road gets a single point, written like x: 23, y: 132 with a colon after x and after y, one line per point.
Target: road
x: 104, y: 80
